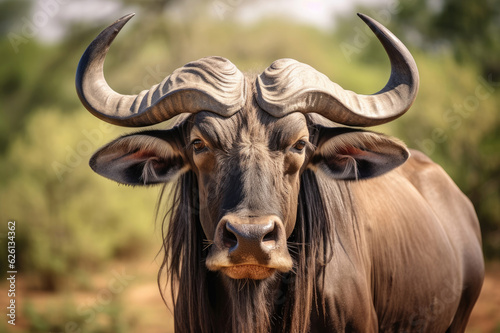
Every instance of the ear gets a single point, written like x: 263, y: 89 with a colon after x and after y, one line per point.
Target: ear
x: 143, y: 158
x: 352, y: 154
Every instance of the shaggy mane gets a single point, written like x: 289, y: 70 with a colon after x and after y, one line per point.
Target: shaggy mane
x: 206, y: 301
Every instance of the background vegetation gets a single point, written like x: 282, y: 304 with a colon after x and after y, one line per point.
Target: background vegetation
x: 72, y: 225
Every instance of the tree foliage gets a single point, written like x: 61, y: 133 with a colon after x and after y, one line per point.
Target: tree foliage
x: 69, y: 221
x: 471, y: 29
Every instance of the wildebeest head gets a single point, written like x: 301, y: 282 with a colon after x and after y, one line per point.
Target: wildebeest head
x: 248, y: 140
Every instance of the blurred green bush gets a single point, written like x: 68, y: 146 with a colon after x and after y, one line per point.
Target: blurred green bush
x: 69, y: 220
x: 65, y: 318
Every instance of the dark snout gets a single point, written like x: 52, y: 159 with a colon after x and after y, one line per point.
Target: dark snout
x: 257, y: 239
x: 251, y: 247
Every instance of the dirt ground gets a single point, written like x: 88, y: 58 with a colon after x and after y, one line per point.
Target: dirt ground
x: 125, y: 298
x: 485, y: 317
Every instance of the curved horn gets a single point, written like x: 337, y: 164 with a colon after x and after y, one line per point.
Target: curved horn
x: 212, y: 84
x: 288, y: 86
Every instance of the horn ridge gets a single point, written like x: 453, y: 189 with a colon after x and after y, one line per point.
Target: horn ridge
x: 209, y: 84
x: 288, y: 86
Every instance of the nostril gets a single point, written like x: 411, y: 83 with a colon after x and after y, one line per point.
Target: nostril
x: 248, y: 238
x: 270, y: 238
x: 229, y: 238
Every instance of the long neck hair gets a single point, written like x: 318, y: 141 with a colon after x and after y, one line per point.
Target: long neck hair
x: 209, y: 302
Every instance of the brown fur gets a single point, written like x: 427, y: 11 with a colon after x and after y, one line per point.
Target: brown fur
x: 329, y: 244
x: 362, y: 249
x: 245, y: 306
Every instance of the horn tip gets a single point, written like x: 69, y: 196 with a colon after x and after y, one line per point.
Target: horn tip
x: 367, y: 19
x: 126, y: 17
x: 123, y: 20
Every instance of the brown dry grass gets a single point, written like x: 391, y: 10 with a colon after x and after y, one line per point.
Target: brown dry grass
x: 485, y: 317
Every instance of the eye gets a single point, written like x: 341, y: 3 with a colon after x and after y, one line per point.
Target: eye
x: 300, y: 145
x: 198, y: 145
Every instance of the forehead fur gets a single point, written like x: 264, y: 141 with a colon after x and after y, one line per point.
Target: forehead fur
x: 251, y: 125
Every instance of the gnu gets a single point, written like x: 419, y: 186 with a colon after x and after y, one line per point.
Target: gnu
x: 285, y: 219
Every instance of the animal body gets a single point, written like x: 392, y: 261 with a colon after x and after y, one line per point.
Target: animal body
x: 285, y: 219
